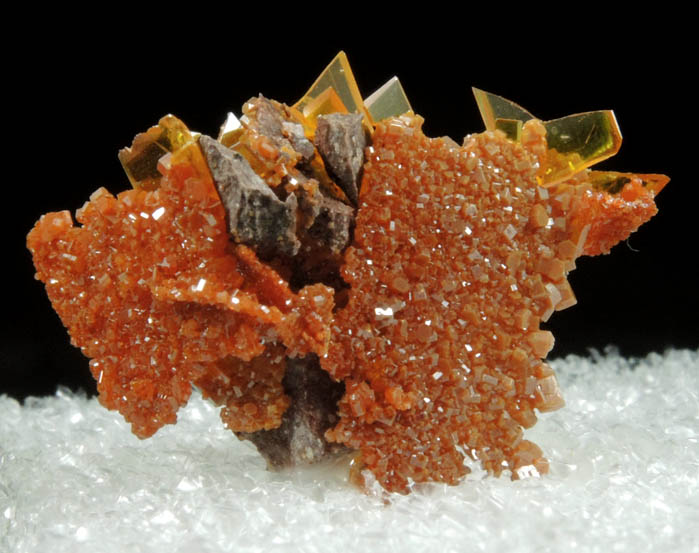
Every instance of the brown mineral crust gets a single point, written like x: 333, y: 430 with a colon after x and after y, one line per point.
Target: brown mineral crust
x: 300, y: 438
x: 327, y: 223
x: 272, y: 120
x: 264, y: 144
x: 272, y: 145
x: 457, y: 257
x: 324, y: 228
x: 275, y: 144
x: 151, y: 289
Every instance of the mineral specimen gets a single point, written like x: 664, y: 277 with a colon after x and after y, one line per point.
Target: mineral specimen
x: 339, y: 282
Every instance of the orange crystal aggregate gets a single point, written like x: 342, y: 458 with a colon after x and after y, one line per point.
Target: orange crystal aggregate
x: 152, y: 290
x: 458, y: 255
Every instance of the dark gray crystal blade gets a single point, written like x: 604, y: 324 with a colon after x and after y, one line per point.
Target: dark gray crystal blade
x: 256, y: 217
x: 340, y: 139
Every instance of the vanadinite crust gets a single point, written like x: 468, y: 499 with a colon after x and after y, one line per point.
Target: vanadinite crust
x: 338, y: 282
x: 153, y: 291
x: 457, y: 256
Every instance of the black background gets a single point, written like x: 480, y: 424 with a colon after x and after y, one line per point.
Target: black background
x: 81, y: 91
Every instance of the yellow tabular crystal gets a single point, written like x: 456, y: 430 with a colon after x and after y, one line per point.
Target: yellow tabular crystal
x: 511, y: 127
x: 579, y: 141
x: 338, y: 75
x: 231, y: 130
x: 574, y: 143
x: 493, y: 107
x: 388, y: 101
x: 140, y: 161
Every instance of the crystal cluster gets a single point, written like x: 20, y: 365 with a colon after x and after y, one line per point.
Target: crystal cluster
x: 337, y: 281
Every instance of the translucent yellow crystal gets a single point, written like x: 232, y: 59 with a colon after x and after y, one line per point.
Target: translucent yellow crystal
x: 337, y: 75
x: 140, y: 161
x: 493, y: 107
x: 264, y: 167
x: 575, y: 142
x: 230, y: 130
x: 191, y: 155
x: 511, y: 127
x: 579, y: 141
x: 388, y: 101
x: 327, y: 102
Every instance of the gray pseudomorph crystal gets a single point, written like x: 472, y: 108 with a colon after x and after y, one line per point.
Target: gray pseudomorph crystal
x: 341, y: 139
x: 256, y: 216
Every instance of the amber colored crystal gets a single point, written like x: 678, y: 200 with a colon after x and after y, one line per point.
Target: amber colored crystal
x: 338, y: 76
x: 511, y: 127
x: 388, y: 101
x: 574, y: 143
x: 494, y: 107
x: 579, y: 141
x: 140, y: 161
x: 231, y: 131
x: 326, y: 102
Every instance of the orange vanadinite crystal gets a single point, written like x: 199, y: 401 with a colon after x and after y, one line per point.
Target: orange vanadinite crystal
x: 153, y: 291
x: 457, y: 256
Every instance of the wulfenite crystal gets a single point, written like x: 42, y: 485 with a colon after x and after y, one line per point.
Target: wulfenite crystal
x: 338, y: 282
x: 574, y: 143
x: 337, y: 76
x: 140, y: 161
x: 388, y: 101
